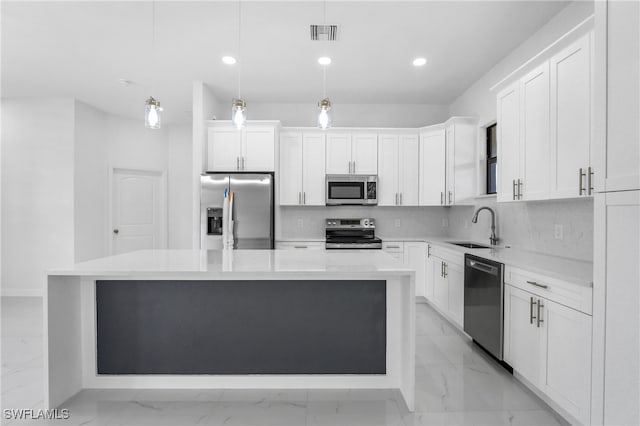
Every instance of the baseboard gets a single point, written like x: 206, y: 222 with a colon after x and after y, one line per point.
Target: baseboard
x: 20, y: 292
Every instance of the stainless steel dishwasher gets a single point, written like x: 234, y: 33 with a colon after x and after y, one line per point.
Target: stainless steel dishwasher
x: 483, y: 303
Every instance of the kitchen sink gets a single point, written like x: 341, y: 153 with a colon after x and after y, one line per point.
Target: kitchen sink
x: 470, y: 245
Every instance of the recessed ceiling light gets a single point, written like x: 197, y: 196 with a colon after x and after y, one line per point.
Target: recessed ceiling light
x: 229, y: 60
x: 324, y: 60
x: 418, y: 62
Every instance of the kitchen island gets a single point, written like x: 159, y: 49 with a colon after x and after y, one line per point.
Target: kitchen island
x: 266, y: 319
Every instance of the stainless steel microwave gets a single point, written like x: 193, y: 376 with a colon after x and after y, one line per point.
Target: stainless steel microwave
x: 358, y: 190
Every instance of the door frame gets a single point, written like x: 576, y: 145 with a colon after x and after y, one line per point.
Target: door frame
x: 162, y: 174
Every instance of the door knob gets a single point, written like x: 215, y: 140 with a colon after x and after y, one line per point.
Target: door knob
x: 115, y: 231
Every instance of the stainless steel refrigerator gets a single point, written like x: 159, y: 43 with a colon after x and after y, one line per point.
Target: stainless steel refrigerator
x: 253, y: 197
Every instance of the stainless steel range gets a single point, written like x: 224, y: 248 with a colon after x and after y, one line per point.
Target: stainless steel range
x: 351, y: 234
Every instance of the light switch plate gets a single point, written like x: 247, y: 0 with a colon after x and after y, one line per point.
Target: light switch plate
x: 558, y: 231
x: 397, y: 223
x: 300, y: 223
x: 445, y: 222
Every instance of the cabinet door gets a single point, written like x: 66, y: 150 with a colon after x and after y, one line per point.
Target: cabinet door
x: 618, y: 154
x: 365, y: 153
x: 290, y: 168
x: 432, y: 168
x: 449, y: 180
x: 433, y: 265
x: 455, y: 276
x: 415, y: 254
x: 534, y: 133
x: 388, y: 170
x: 313, y: 167
x: 408, y: 163
x: 570, y: 119
x: 567, y: 345
x: 223, y: 149
x: 508, y: 142
x: 338, y: 153
x: 440, y: 286
x: 259, y: 149
x: 521, y: 334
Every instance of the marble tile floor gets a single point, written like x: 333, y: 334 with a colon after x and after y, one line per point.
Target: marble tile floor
x: 456, y: 384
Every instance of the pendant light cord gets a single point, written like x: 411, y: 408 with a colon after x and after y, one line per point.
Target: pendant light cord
x: 324, y: 67
x: 153, y: 43
x: 239, y: 44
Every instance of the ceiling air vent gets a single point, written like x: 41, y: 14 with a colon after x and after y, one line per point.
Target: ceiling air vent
x: 324, y: 32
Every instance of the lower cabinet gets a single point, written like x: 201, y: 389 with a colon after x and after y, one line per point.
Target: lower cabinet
x: 444, y: 286
x: 412, y: 254
x: 549, y: 344
x: 300, y: 245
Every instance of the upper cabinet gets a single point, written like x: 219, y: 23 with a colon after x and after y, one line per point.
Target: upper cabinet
x: 461, y: 159
x: 432, y: 166
x: 302, y: 168
x: 352, y: 153
x: 249, y: 149
x: 545, y: 127
x: 617, y: 81
x: 398, y: 170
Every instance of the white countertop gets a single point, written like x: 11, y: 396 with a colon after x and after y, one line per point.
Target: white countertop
x: 213, y: 263
x: 571, y: 270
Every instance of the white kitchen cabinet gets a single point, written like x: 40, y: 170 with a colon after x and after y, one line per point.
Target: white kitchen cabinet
x: 616, y: 277
x: 300, y: 245
x: 508, y: 113
x: 352, y: 153
x: 397, y: 170
x: 248, y: 149
x: 460, y: 178
x: 395, y: 249
x: 445, y: 283
x: 548, y: 342
x: 571, y: 124
x: 617, y: 155
x: 454, y: 273
x: 534, y: 134
x: 415, y: 254
x: 432, y: 166
x: 302, y: 168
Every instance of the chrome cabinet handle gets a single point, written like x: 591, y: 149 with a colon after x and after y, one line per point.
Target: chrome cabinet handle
x: 537, y: 284
x: 396, y: 198
x: 115, y: 231
x: 581, y: 174
x: 442, y: 269
x: 299, y: 198
x: 540, y: 320
x: 349, y: 166
x: 589, y: 184
x: 237, y: 163
x: 441, y: 198
x: 428, y: 250
x: 300, y: 247
x: 401, y: 198
x: 519, y: 189
x: 304, y: 198
x: 450, y: 196
x: 243, y: 167
x: 445, y: 270
x: 531, y: 317
x: 354, y: 167
x: 513, y: 189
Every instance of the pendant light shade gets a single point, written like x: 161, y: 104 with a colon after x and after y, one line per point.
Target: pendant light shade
x: 324, y: 114
x: 239, y: 113
x: 152, y: 113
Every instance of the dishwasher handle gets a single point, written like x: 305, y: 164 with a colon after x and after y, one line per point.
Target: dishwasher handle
x: 489, y: 269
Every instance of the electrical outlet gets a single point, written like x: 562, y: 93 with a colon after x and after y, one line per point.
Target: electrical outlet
x: 466, y: 224
x: 445, y: 222
x: 397, y: 223
x: 300, y: 223
x: 558, y: 232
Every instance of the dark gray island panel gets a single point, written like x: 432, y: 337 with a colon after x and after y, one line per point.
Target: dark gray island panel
x: 241, y: 327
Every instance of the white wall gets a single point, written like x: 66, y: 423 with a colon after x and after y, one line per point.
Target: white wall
x: 180, y: 180
x: 37, y: 191
x: 347, y: 115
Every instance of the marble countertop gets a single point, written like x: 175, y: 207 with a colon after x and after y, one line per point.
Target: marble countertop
x: 252, y: 263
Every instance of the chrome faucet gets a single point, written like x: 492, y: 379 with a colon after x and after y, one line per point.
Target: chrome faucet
x: 493, y: 239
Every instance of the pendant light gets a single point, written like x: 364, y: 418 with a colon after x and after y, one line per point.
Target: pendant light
x: 239, y: 106
x: 324, y: 106
x: 152, y: 109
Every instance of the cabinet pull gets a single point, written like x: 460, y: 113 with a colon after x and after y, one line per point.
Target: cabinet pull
x: 513, y: 189
x: 537, y: 284
x: 519, y: 189
x: 581, y: 174
x: 300, y: 247
x: 401, y: 198
x: 396, y: 198
x: 299, y: 198
x: 237, y: 163
x: 304, y: 198
x: 445, y: 270
x: 450, y: 196
x: 243, y: 167
x: 441, y: 198
x: 396, y: 247
x: 531, y: 303
x: 442, y: 269
x: 540, y: 320
x: 428, y: 250
x: 589, y: 184
x: 354, y: 167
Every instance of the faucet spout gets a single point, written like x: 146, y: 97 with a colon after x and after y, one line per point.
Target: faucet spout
x: 493, y: 238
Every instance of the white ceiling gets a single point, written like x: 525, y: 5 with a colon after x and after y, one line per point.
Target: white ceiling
x: 81, y: 49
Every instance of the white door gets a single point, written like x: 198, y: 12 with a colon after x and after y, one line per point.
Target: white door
x: 567, y: 378
x: 408, y: 163
x: 388, y: 170
x: 224, y: 149
x: 534, y: 133
x: 290, y: 169
x: 364, y: 153
x: 338, y: 153
x: 137, y: 211
x: 432, y: 168
x: 508, y: 142
x: 313, y: 169
x: 455, y: 275
x: 570, y: 119
x: 258, y: 149
x: 521, y: 334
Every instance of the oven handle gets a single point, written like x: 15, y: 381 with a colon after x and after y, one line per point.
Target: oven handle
x: 482, y: 267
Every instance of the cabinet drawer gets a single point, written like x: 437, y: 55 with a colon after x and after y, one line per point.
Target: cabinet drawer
x: 448, y: 256
x: 565, y: 293
x: 300, y: 245
x: 393, y: 246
